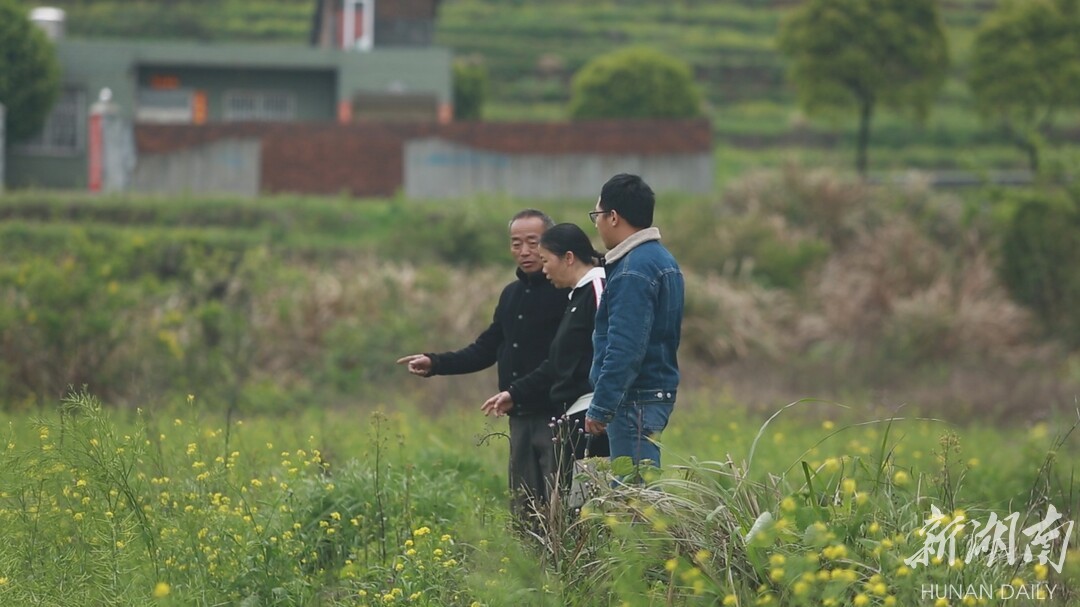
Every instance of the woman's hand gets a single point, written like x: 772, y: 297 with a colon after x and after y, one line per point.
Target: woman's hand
x: 498, y: 405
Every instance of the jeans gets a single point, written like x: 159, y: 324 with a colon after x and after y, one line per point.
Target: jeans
x: 632, y: 427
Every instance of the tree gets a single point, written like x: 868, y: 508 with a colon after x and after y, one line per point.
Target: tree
x: 1025, y: 66
x: 861, y: 53
x: 470, y: 89
x: 29, y: 72
x: 634, y: 82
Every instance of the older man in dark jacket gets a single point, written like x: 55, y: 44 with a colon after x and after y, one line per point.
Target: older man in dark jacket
x: 524, y: 323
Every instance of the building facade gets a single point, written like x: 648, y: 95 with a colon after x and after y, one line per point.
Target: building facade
x: 198, y: 83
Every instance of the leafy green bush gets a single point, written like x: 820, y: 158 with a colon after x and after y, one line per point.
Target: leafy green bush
x: 1038, y: 262
x: 635, y: 82
x: 470, y: 89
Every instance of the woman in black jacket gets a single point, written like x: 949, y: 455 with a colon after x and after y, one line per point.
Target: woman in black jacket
x: 569, y: 261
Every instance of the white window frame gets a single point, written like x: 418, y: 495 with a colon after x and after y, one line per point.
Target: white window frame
x: 172, y: 113
x: 262, y: 107
x: 70, y: 106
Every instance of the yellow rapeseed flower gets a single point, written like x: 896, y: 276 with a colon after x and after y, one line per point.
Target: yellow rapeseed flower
x: 861, y: 600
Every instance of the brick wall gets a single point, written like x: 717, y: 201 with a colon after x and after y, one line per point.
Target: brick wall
x: 368, y: 159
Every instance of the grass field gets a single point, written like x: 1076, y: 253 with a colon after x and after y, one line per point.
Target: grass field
x: 305, y: 468
x: 378, y: 504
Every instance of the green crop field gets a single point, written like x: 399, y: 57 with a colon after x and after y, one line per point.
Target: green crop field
x: 258, y: 446
x: 377, y: 504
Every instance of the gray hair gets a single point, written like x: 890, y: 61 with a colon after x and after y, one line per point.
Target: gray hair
x: 527, y: 213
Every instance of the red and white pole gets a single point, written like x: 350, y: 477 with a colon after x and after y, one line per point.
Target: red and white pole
x: 95, y: 141
x: 95, y: 150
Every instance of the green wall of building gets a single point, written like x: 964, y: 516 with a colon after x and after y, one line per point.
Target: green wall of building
x: 320, y: 79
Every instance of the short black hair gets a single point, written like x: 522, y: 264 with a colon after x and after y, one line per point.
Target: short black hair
x: 631, y: 198
x: 569, y: 237
x: 527, y: 213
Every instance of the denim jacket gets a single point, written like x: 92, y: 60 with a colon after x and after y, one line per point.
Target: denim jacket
x: 638, y: 325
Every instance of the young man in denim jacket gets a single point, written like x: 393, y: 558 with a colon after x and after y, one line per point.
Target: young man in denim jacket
x: 635, y: 370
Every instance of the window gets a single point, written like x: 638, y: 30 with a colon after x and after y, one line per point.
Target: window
x: 260, y: 105
x: 63, y: 133
x: 164, y: 106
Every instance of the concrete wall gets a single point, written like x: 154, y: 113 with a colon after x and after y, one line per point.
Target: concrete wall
x: 535, y: 160
x: 229, y: 166
x: 435, y: 168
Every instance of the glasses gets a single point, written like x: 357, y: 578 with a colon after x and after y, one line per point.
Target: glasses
x: 594, y: 214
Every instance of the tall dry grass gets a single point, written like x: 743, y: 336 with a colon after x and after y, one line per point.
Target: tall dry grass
x: 905, y: 304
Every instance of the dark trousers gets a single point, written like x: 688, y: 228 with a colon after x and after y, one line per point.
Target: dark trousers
x: 538, y: 456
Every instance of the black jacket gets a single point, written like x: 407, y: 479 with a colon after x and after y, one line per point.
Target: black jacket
x: 518, y: 339
x: 564, y: 376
